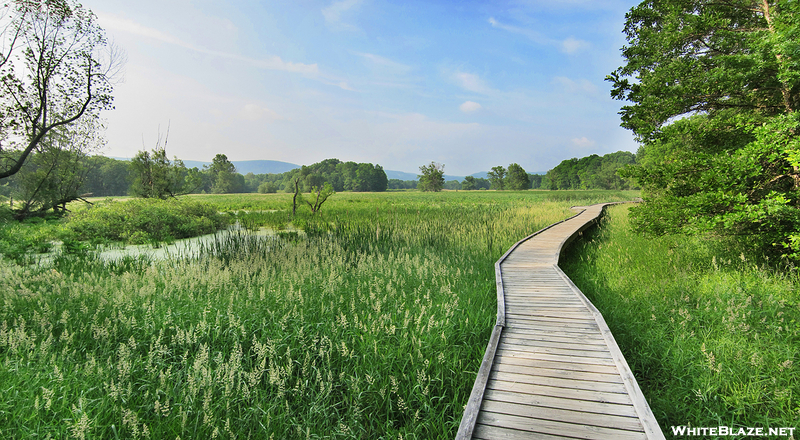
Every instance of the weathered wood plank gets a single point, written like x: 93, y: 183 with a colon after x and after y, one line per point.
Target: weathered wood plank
x: 562, y: 415
x: 506, y: 351
x: 555, y: 365
x: 485, y: 432
x: 556, y: 371
x: 553, y: 391
x: 604, y: 387
x: 584, y: 406
x: 535, y: 425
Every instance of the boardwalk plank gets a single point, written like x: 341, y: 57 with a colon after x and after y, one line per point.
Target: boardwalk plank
x: 573, y: 430
x: 574, y: 384
x: 553, y: 391
x: 562, y: 415
x: 583, y: 406
x: 555, y: 371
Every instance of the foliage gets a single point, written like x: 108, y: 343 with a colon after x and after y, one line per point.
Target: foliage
x: 718, y: 147
x: 140, y: 221
x: 708, y: 330
x: 223, y: 176
x: 343, y: 176
x: 536, y: 180
x: 402, y: 184
x: 517, y: 179
x: 497, y: 176
x: 432, y: 177
x: 155, y: 176
x: 55, y: 68
x: 372, y: 326
x: 107, y: 177
x: 472, y: 183
x: 322, y: 194
x: 267, y: 188
x: 591, y: 172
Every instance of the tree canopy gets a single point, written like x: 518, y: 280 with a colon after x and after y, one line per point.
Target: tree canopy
x: 517, y: 179
x: 55, y: 67
x: 591, y: 172
x: 432, y: 177
x: 713, y: 89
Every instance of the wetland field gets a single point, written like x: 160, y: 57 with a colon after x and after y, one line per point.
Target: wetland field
x: 367, y: 320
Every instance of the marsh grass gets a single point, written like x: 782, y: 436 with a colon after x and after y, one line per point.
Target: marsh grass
x: 371, y: 325
x: 712, y: 335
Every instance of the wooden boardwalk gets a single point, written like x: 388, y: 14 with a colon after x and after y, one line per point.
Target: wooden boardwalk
x: 552, y: 369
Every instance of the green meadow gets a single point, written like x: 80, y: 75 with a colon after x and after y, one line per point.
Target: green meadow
x: 368, y: 320
x: 711, y: 333
x: 371, y: 323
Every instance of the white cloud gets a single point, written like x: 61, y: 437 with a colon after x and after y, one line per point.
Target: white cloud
x: 110, y: 21
x: 471, y: 82
x: 470, y: 106
x: 572, y: 45
x: 583, y: 142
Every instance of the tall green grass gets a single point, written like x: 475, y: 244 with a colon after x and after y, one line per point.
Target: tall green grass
x: 712, y: 334
x: 370, y: 326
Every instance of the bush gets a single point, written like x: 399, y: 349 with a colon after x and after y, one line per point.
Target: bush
x: 141, y: 221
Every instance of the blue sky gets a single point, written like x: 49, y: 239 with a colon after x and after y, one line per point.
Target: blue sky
x: 470, y: 84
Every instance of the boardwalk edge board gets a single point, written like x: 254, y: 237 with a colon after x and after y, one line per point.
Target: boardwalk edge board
x: 473, y: 408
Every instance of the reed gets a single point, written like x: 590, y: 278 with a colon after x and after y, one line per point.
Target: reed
x: 370, y: 325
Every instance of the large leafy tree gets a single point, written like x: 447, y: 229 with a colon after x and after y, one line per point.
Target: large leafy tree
x: 497, y: 176
x: 713, y: 90
x: 432, y: 177
x: 155, y: 176
x: 224, y: 177
x: 57, y: 170
x: 517, y: 179
x: 55, y: 68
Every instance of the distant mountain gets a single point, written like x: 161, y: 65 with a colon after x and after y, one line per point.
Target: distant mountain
x: 402, y: 175
x: 251, y: 166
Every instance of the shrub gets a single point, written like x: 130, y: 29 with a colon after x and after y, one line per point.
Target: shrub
x: 140, y: 221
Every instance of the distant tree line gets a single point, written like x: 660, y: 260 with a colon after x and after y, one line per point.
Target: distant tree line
x: 152, y: 174
x: 591, y: 172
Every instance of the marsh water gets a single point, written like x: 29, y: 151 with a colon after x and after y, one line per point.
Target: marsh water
x: 183, y: 248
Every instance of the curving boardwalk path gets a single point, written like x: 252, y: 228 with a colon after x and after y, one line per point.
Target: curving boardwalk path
x: 552, y: 369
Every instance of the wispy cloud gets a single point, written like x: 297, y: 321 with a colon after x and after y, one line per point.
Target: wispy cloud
x: 534, y: 36
x: 116, y: 23
x: 569, y: 45
x: 385, y: 63
x: 470, y: 107
x: 572, y: 45
x: 471, y: 82
x: 333, y: 13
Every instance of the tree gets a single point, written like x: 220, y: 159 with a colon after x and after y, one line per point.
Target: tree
x: 497, y: 177
x: 155, y: 176
x: 224, y: 177
x: 517, y: 179
x: 323, y: 192
x: 57, y: 170
x: 56, y: 67
x: 468, y: 184
x: 714, y: 89
x: 107, y: 177
x: 432, y: 177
